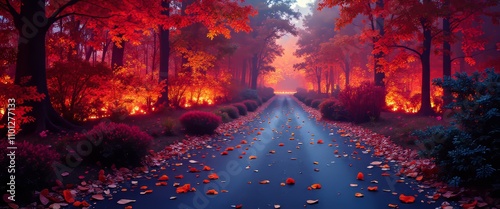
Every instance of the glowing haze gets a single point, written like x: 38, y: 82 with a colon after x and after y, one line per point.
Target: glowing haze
x: 286, y: 78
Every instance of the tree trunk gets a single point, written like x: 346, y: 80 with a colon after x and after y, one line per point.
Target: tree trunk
x: 426, y: 108
x: 318, y: 79
x: 446, y: 52
x: 378, y: 71
x: 89, y: 52
x: 244, y: 72
x: 31, y: 62
x: 347, y: 70
x: 117, y: 55
x: 332, y: 80
x: 255, y: 72
x: 104, y: 51
x: 164, y: 54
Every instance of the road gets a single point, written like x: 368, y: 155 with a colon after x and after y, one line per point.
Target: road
x: 300, y: 158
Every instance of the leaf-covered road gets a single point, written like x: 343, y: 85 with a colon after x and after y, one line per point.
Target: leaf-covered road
x: 333, y: 164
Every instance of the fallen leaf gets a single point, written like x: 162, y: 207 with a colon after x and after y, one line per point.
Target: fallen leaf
x: 68, y: 197
x: 212, y: 192
x: 312, y: 202
x: 359, y: 194
x: 290, y: 181
x: 162, y: 178
x: 98, y: 197
x: 372, y: 188
x: 406, y: 198
x: 316, y: 186
x: 360, y: 176
x: 213, y: 176
x: 125, y: 201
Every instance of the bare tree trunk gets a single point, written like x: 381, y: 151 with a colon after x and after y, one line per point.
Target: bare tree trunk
x: 164, y: 54
x: 255, y: 71
x: 446, y: 52
x: 426, y: 108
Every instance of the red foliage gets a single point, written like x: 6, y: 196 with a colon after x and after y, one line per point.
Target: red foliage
x: 199, y: 122
x: 363, y: 103
x: 242, y: 108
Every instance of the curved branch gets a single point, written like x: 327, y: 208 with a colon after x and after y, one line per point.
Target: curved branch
x: 407, y: 48
x: 473, y: 55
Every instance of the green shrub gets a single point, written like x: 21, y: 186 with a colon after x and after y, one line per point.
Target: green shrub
x: 242, y: 108
x: 200, y: 123
x: 121, y: 144
x: 265, y: 93
x: 468, y: 152
x: 33, y: 169
x: 223, y: 116
x: 232, y: 111
x: 332, y: 109
x: 315, y: 103
x: 168, y: 125
x: 250, y: 94
x: 363, y: 103
x: 251, y: 105
x: 308, y: 101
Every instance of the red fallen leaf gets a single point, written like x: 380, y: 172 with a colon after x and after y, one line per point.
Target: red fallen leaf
x: 239, y: 206
x: 252, y: 157
x: 436, y: 196
x: 406, y: 199
x: 320, y: 141
x: 77, y: 203
x: 101, y: 176
x: 212, y: 192
x: 183, y: 189
x: 206, y: 181
x: 360, y: 176
x: 85, y: 204
x: 372, y: 188
x: 238, y: 146
x: 213, y: 176
x: 471, y: 205
x: 316, y: 186
x: 128, y: 207
x: 68, y: 197
x: 193, y: 170
x: 290, y: 181
x: 258, y: 133
x: 336, y: 152
x: 281, y: 144
x: 163, y: 178
x: 144, y: 187
x: 243, y: 142
x: 206, y: 168
x: 224, y: 153
x: 230, y: 149
x: 179, y: 176
x: 243, y: 153
x: 386, y: 174
x: 419, y: 178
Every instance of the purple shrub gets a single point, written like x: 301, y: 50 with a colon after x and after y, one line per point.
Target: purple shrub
x: 33, y: 168
x: 121, y: 144
x: 199, y: 122
x: 242, y: 108
x: 251, y: 105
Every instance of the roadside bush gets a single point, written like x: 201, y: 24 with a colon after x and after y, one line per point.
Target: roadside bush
x: 265, y: 93
x: 168, y: 125
x: 200, y: 123
x: 468, y: 152
x: 301, y: 94
x: 364, y: 103
x: 223, y: 116
x: 250, y: 94
x: 251, y: 105
x: 33, y: 169
x: 308, y: 101
x: 121, y: 144
x: 332, y: 109
x: 231, y: 111
x: 242, y: 108
x: 315, y: 103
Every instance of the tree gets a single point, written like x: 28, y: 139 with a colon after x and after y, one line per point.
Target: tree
x: 374, y: 11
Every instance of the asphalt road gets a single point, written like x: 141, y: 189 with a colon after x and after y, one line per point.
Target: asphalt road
x: 307, y: 163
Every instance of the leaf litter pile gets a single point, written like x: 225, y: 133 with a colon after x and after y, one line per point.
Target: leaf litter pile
x: 278, y: 157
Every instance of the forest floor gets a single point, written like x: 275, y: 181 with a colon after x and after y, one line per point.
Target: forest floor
x: 399, y: 126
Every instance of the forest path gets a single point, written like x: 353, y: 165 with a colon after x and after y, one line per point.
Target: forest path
x: 303, y: 159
